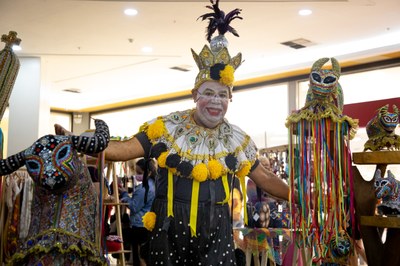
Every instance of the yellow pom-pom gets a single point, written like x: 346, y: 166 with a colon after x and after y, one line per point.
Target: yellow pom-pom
x: 162, y: 159
x: 227, y: 76
x: 200, y: 172
x: 215, y: 168
x: 149, y: 220
x: 244, y: 169
x: 156, y: 130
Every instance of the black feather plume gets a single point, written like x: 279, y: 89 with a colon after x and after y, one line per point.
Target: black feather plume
x: 219, y: 21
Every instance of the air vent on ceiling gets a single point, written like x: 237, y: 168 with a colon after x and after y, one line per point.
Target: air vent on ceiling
x: 298, y: 43
x: 73, y: 90
x: 184, y: 68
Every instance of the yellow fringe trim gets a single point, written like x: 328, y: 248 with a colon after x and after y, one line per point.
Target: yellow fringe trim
x: 91, y: 252
x: 330, y: 111
x: 193, y: 207
x: 170, y: 195
x: 244, y: 193
x: 226, y: 189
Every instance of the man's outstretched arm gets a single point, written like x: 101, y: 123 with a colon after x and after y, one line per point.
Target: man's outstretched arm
x: 269, y: 182
x: 121, y: 151
x: 117, y: 151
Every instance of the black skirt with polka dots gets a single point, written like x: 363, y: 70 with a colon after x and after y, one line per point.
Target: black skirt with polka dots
x: 171, y: 242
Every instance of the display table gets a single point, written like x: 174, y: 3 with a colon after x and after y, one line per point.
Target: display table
x: 269, y: 243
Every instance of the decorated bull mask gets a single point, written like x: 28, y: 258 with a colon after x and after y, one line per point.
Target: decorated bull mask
x: 387, y: 189
x: 340, y: 246
x: 324, y: 83
x: 53, y: 159
x: 381, y: 130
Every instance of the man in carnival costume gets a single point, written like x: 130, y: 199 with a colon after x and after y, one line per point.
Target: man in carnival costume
x: 200, y: 155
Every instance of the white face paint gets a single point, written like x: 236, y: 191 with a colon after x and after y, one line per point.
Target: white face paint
x: 212, y: 100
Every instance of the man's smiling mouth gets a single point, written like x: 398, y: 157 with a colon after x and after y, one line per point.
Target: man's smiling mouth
x: 214, y: 111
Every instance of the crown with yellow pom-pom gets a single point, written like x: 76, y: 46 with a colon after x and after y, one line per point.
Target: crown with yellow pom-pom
x: 214, y: 61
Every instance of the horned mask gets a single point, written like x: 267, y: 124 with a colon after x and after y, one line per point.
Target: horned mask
x: 52, y: 160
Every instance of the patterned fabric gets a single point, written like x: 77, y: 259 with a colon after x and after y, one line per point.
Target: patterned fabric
x: 9, y: 67
x: 257, y: 205
x: 65, y: 222
x: 26, y: 206
x: 12, y: 225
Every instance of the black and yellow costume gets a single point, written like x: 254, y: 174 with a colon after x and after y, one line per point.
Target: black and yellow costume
x: 197, y: 168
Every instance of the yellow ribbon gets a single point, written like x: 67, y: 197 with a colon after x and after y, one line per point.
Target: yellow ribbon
x: 193, y: 207
x: 243, y: 185
x: 170, y: 196
x: 226, y: 189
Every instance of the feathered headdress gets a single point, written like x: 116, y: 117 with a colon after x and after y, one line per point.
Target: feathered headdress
x: 218, y: 20
x: 214, y: 62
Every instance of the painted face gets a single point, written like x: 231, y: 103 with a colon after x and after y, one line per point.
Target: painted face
x: 212, y: 100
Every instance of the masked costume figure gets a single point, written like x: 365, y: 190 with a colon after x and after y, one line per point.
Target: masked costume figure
x: 64, y: 229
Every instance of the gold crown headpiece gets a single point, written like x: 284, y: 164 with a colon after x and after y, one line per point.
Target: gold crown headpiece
x: 214, y: 62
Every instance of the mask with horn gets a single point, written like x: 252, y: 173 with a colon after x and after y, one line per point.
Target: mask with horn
x: 324, y: 83
x: 53, y: 159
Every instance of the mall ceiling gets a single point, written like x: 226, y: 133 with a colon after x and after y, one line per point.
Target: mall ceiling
x: 92, y: 53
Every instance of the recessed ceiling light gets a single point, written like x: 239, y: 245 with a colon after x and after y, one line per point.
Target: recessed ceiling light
x: 305, y: 12
x: 147, y: 49
x: 130, y: 12
x: 16, y: 47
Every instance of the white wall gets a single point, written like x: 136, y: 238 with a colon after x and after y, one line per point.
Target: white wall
x: 27, y: 107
